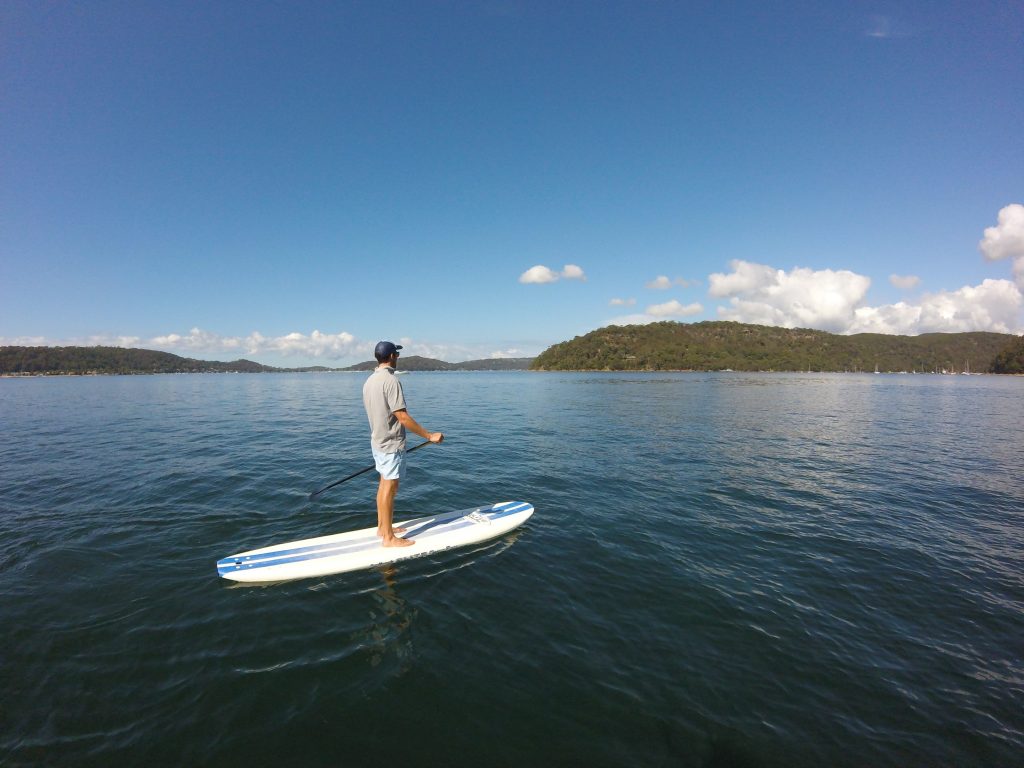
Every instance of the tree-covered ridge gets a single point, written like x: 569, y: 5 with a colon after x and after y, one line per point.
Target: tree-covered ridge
x: 113, y: 360
x: 1011, y: 358
x: 119, y: 360
x: 719, y: 345
x: 659, y: 346
x: 417, y: 363
x: 496, y: 364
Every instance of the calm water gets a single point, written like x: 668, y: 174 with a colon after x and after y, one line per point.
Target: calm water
x: 724, y: 569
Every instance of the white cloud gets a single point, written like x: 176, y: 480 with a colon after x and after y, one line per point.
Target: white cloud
x: 540, y: 274
x: 289, y: 350
x: 198, y: 342
x: 906, y: 282
x: 1006, y: 240
x: 835, y: 301
x: 637, y: 319
x: 457, y: 353
x: 622, y: 302
x: 657, y: 313
x: 824, y: 299
x: 24, y: 341
x: 674, y: 309
x: 891, y: 319
x: 879, y: 27
x: 995, y: 305
x: 88, y: 341
x: 196, y: 339
x: 886, y: 27
x: 746, y: 277
x: 450, y: 353
x: 113, y: 341
x: 573, y: 272
x: 662, y: 283
x: 317, y: 345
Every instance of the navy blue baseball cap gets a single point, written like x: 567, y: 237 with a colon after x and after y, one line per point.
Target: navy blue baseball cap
x: 385, y: 349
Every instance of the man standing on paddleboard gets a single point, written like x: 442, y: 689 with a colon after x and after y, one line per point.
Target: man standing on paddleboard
x: 389, y: 418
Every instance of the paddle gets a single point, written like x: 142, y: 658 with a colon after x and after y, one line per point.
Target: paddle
x: 314, y: 494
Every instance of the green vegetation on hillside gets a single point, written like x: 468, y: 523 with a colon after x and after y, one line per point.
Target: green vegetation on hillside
x: 710, y: 346
x: 417, y: 363
x: 496, y: 364
x: 54, y: 361
x: 1011, y: 358
x: 411, y: 363
x: 112, y: 360
x: 707, y: 346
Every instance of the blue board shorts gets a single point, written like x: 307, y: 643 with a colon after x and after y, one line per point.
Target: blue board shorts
x: 390, y: 465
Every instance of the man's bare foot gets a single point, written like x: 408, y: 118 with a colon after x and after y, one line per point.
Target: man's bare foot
x: 394, y: 541
x: 396, y: 529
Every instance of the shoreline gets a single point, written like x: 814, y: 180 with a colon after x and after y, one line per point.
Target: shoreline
x: 94, y: 374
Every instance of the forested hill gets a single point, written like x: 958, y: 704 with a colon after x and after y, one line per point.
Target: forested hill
x: 118, y: 360
x: 704, y: 346
x: 417, y: 363
x: 712, y: 346
x: 90, y: 360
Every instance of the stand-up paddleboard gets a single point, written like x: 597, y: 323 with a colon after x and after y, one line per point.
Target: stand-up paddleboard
x: 355, y: 550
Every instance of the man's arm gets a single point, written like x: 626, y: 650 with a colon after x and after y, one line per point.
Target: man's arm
x: 410, y: 424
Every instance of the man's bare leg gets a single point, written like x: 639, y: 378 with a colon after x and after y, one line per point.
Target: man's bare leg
x: 386, y: 492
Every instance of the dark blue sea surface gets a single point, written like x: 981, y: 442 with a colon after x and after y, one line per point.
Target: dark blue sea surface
x: 723, y: 569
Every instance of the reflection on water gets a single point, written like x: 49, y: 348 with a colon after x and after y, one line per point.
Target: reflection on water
x: 724, y: 569
x: 386, y: 638
x: 391, y: 619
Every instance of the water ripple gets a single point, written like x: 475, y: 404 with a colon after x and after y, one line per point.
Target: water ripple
x: 723, y: 569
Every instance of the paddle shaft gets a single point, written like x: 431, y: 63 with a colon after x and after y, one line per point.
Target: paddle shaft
x: 314, y: 494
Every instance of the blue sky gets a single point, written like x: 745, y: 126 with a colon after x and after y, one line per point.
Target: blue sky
x: 290, y: 182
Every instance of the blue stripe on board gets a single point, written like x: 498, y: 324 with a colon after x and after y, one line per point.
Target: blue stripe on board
x: 299, y: 552
x: 230, y: 565
x: 314, y: 548
x: 443, y: 523
x: 509, y: 508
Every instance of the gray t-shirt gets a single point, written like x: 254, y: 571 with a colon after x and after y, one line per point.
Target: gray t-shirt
x: 382, y: 396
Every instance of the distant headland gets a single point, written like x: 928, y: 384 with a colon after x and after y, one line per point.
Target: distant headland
x: 85, y: 361
x: 721, y: 345
x: 666, y: 346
